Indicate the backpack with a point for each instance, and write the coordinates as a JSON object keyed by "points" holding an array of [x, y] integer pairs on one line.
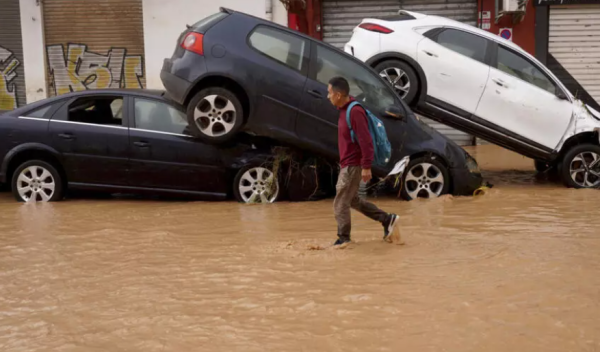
{"points": [[381, 145]]}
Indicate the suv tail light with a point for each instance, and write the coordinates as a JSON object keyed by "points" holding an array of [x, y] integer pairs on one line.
{"points": [[375, 28], [194, 42]]}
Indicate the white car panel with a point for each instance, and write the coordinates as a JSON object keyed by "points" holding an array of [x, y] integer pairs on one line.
{"points": [[524, 109], [451, 77], [364, 44]]}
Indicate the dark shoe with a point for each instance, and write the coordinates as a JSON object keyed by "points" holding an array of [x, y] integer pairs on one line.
{"points": [[341, 241], [388, 226]]}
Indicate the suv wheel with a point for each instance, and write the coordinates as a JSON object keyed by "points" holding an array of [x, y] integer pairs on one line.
{"points": [[580, 167], [215, 115], [401, 76], [256, 184], [425, 177], [36, 181]]}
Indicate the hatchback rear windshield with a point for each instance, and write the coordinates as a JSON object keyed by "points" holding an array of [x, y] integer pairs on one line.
{"points": [[204, 24]]}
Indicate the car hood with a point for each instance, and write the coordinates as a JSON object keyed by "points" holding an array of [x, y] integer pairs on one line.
{"points": [[593, 112]]}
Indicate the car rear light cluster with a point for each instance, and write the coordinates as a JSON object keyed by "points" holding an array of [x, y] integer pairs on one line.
{"points": [[194, 42], [375, 28]]}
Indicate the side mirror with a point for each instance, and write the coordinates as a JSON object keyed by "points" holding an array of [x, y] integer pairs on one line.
{"points": [[394, 112], [560, 94]]}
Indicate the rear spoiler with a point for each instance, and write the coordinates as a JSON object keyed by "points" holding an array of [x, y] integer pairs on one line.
{"points": [[416, 15], [226, 10]]}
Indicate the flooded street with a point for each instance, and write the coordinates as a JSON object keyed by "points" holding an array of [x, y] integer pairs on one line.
{"points": [[515, 269]]}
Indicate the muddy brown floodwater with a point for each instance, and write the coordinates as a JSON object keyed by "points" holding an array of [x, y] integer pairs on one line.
{"points": [[514, 270]]}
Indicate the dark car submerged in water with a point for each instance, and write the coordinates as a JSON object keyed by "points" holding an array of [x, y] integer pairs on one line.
{"points": [[237, 74]]}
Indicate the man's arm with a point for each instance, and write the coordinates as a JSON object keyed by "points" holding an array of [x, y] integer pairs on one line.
{"points": [[358, 119]]}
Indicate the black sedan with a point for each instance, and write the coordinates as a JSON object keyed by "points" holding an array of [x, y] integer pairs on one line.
{"points": [[126, 141]]}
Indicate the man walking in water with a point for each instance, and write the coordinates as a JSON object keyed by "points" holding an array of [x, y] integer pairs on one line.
{"points": [[355, 163]]}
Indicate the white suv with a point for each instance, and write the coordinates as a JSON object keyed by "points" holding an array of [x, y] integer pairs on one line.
{"points": [[484, 85]]}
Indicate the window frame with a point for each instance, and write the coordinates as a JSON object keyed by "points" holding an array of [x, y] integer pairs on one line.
{"points": [[312, 74], [494, 65], [305, 57], [489, 50], [159, 101], [62, 114]]}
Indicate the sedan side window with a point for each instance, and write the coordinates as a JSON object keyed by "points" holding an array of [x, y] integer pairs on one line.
{"points": [[156, 116], [365, 87], [469, 45], [283, 47], [97, 111], [519, 67]]}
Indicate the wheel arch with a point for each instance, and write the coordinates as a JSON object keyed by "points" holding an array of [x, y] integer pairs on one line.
{"points": [[390, 55], [592, 137], [31, 151], [222, 81]]}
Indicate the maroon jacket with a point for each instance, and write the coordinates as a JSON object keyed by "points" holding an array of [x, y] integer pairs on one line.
{"points": [[360, 152]]}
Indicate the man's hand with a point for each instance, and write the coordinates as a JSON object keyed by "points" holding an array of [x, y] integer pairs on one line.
{"points": [[366, 175]]}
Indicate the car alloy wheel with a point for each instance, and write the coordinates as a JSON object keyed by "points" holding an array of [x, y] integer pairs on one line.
{"points": [[398, 79], [215, 115], [425, 177], [37, 181], [257, 185], [585, 169]]}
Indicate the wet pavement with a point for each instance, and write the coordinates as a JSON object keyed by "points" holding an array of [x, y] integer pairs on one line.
{"points": [[515, 269]]}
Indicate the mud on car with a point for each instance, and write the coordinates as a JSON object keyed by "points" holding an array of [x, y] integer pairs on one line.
{"points": [[238, 74]]}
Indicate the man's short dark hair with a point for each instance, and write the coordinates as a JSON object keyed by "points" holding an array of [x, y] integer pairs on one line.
{"points": [[340, 84]]}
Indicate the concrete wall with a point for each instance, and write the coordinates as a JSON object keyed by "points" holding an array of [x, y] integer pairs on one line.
{"points": [[164, 21], [33, 50]]}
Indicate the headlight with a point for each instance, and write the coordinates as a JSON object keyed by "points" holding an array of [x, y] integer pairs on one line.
{"points": [[472, 165]]}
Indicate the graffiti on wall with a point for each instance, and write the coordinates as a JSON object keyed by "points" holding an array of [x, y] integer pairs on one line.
{"points": [[80, 69], [8, 73]]}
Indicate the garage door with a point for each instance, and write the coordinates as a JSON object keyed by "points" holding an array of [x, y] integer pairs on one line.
{"points": [[574, 44], [94, 44], [12, 75], [340, 17]]}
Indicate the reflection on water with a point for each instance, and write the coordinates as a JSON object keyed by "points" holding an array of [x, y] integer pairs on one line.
{"points": [[516, 269]]}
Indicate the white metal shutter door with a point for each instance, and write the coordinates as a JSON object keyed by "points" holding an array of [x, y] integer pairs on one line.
{"points": [[575, 43], [340, 17], [93, 44], [460, 10], [12, 73]]}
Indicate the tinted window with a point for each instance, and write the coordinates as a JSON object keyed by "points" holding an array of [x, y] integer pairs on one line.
{"points": [[39, 113], [469, 45], [365, 86], [517, 66], [156, 116], [206, 22], [283, 47], [98, 111]]}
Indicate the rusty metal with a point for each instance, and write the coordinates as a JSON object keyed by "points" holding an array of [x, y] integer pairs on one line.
{"points": [[93, 44]]}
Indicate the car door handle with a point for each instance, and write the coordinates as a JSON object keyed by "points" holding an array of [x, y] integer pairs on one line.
{"points": [[141, 144], [430, 53], [499, 82], [67, 136], [315, 94]]}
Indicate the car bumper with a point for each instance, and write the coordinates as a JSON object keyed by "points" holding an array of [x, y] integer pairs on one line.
{"points": [[175, 86], [465, 181]]}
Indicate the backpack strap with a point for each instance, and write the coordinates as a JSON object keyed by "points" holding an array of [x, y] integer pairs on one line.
{"points": [[352, 104]]}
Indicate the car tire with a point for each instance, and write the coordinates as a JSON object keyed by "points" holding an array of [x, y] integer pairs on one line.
{"points": [[39, 178], [250, 184], [425, 177], [579, 166], [390, 70], [215, 115]]}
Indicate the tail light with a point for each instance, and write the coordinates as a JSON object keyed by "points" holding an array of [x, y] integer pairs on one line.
{"points": [[194, 42], [376, 28]]}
